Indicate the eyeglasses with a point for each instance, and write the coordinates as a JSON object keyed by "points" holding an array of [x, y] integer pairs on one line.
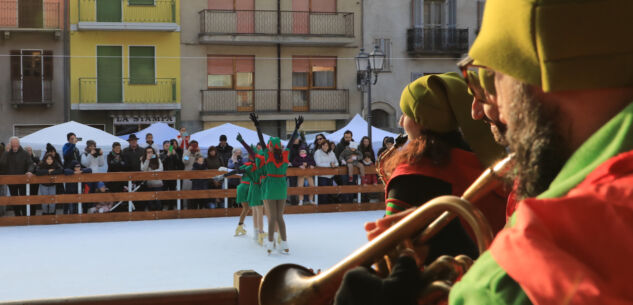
{"points": [[471, 74]]}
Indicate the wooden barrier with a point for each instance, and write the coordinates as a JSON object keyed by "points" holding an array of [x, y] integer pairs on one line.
{"points": [[170, 195]]}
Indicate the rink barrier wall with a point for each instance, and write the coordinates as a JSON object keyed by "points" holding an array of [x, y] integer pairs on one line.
{"points": [[127, 198]]}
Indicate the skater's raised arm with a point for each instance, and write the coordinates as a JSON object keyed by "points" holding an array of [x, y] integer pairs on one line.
{"points": [[298, 122], [249, 149], [231, 173], [259, 130]]}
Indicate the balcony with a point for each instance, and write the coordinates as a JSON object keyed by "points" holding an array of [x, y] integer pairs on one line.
{"points": [[31, 93], [126, 94], [30, 16], [437, 41], [262, 27], [328, 104], [125, 15]]}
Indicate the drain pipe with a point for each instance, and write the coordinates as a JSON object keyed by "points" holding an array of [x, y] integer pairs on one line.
{"points": [[66, 61]]}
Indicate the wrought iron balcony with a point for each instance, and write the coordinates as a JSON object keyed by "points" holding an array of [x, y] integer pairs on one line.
{"points": [[262, 26], [30, 15], [126, 94], [266, 101], [31, 92], [437, 41], [127, 15]]}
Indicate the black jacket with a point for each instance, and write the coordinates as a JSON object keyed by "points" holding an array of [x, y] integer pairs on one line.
{"points": [[171, 162], [340, 147], [16, 163], [132, 158], [225, 153], [116, 162], [199, 184], [42, 170]]}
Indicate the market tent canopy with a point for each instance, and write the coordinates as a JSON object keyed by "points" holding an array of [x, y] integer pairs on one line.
{"points": [[211, 137], [56, 136], [358, 127], [161, 132]]}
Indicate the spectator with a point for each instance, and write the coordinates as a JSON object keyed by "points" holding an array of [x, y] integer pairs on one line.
{"points": [[171, 162], [293, 151], [178, 150], [132, 155], [325, 157], [303, 160], [235, 162], [149, 139], [36, 162], [104, 206], [72, 187], [16, 161], [369, 178], [48, 166], [340, 147], [316, 145], [150, 162], [365, 146], [213, 162], [50, 149], [332, 147], [116, 163], [224, 151], [352, 158], [200, 184], [70, 151], [183, 139], [188, 159], [387, 143], [294, 148], [92, 157]]}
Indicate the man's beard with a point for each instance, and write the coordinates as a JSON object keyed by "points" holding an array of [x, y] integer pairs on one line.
{"points": [[533, 137]]}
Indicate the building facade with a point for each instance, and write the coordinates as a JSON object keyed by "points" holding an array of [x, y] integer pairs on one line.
{"points": [[32, 85], [277, 58], [419, 38], [125, 63]]}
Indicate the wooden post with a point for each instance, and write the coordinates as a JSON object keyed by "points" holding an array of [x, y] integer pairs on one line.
{"points": [[247, 284]]}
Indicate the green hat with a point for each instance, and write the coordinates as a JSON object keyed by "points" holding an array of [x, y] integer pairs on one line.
{"points": [[558, 44], [273, 142], [441, 103]]}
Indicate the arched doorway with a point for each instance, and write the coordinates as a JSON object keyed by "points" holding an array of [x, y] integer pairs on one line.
{"points": [[383, 116], [380, 119]]}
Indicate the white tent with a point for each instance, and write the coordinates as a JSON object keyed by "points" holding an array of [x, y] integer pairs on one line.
{"points": [[358, 127], [56, 136], [211, 137], [160, 131]]}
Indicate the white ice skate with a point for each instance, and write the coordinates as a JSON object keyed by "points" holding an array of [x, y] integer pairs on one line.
{"points": [[283, 247], [269, 245]]}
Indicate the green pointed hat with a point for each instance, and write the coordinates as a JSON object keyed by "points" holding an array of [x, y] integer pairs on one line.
{"points": [[274, 142]]}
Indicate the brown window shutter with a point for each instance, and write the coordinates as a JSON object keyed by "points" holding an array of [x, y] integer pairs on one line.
{"points": [[16, 69], [48, 65]]}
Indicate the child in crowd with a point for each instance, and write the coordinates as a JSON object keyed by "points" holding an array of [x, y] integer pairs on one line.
{"points": [[72, 187], [200, 184], [369, 178], [150, 162], [303, 160], [48, 166], [352, 157], [101, 207]]}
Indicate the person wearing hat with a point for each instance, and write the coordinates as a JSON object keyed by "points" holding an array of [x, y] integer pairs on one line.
{"points": [[387, 143], [352, 157], [132, 154], [225, 151]]}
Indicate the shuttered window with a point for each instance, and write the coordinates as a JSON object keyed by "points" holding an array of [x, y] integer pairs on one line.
{"points": [[142, 65]]}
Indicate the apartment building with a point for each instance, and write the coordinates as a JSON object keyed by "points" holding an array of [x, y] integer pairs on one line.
{"points": [[125, 63], [32, 85], [419, 37], [279, 58]]}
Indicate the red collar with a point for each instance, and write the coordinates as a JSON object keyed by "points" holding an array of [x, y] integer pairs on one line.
{"points": [[271, 158]]}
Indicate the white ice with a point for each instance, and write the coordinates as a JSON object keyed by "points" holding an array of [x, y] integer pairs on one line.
{"points": [[145, 256]]}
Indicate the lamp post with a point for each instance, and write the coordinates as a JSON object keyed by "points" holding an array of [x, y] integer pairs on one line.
{"points": [[368, 66]]}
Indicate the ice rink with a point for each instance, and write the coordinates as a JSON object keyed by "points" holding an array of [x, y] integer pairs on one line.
{"points": [[146, 256]]}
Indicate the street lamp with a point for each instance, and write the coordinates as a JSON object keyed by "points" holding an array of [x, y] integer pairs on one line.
{"points": [[368, 66]]}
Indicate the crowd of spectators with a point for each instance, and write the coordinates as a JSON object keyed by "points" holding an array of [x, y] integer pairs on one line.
{"points": [[176, 154]]}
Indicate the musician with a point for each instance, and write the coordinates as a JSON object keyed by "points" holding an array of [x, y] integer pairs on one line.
{"points": [[562, 88]]}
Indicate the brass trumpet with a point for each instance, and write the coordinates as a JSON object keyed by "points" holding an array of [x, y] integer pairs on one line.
{"points": [[293, 284]]}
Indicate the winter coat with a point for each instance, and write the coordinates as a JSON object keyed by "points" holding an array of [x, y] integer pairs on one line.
{"points": [[199, 184], [171, 162], [236, 164], [71, 187], [92, 162], [116, 163], [363, 150], [340, 147], [16, 163], [188, 159], [347, 153], [298, 161], [323, 159], [70, 153], [145, 167], [42, 170], [213, 162], [225, 153], [132, 158]]}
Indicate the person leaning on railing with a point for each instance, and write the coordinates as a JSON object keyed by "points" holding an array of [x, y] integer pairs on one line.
{"points": [[16, 161], [171, 162], [325, 157], [150, 162], [304, 160], [72, 187], [48, 166]]}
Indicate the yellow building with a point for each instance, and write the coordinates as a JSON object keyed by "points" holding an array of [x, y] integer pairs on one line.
{"points": [[125, 63]]}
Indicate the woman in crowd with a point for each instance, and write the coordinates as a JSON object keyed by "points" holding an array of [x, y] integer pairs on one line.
{"points": [[213, 162], [189, 157], [50, 149], [304, 160], [235, 162], [366, 147], [48, 166], [200, 184], [387, 143], [316, 145], [116, 163], [275, 191], [150, 162], [92, 157], [325, 157], [171, 162]]}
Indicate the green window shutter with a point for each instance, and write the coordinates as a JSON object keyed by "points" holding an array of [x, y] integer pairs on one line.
{"points": [[142, 70], [140, 2]]}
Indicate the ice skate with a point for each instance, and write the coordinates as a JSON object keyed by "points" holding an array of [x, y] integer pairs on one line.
{"points": [[240, 230], [260, 238], [283, 247], [269, 246], [277, 238]]}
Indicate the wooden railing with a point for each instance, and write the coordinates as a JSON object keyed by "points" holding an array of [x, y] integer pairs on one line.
{"points": [[177, 195]]}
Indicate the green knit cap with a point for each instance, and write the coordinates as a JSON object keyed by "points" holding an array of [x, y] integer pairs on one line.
{"points": [[441, 103], [558, 44], [273, 142]]}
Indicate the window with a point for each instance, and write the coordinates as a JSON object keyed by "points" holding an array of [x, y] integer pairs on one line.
{"points": [[385, 45], [31, 75], [140, 2], [235, 73], [142, 65], [309, 73], [434, 13]]}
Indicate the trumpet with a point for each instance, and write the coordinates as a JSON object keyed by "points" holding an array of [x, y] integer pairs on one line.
{"points": [[289, 284]]}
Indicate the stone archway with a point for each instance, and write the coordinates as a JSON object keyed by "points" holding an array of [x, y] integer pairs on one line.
{"points": [[383, 116]]}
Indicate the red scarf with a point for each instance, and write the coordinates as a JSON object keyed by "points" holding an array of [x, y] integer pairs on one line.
{"points": [[184, 143]]}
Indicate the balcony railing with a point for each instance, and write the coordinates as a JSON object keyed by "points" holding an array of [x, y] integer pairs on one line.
{"points": [[261, 22], [266, 101], [162, 11], [26, 15], [40, 93], [126, 91], [437, 41]]}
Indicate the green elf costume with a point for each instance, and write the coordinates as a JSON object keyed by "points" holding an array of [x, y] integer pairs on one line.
{"points": [[571, 244]]}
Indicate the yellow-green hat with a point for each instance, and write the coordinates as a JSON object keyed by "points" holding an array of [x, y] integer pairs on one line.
{"points": [[558, 44], [441, 103]]}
